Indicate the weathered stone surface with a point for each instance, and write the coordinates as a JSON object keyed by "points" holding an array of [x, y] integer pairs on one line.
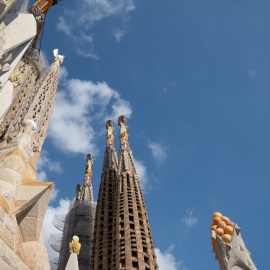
{"points": [[18, 246], [2, 215], [6, 236], [6, 193], [9, 175], [8, 256], [10, 224], [4, 265]]}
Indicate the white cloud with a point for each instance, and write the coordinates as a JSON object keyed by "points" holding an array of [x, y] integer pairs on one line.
{"points": [[252, 73], [118, 34], [77, 108], [189, 220], [120, 107], [44, 163], [142, 173], [42, 176], [63, 74], [84, 14], [159, 151], [167, 261], [48, 227]]}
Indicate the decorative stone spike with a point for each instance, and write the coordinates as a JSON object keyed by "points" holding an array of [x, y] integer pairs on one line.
{"points": [[230, 248]]}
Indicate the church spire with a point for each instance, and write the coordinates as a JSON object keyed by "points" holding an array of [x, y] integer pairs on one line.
{"points": [[34, 105], [110, 156], [102, 255], [85, 192], [133, 246], [126, 160]]}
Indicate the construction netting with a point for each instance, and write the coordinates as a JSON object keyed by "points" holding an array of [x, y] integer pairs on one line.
{"points": [[78, 221]]}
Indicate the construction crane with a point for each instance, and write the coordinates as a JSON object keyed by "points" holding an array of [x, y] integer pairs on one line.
{"points": [[39, 10]]}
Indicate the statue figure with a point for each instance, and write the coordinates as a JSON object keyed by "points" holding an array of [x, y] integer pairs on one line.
{"points": [[2, 131], [74, 245], [88, 167], [123, 127], [110, 130], [79, 192], [16, 78]]}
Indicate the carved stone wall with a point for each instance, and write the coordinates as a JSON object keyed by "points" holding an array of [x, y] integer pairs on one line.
{"points": [[23, 203]]}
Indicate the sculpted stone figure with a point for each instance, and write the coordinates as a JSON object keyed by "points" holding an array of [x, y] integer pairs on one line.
{"points": [[16, 78], [110, 130], [79, 192], [123, 127], [2, 130]]}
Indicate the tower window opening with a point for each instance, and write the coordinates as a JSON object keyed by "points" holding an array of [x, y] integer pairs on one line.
{"points": [[123, 262], [146, 260], [135, 265], [145, 250], [134, 254]]}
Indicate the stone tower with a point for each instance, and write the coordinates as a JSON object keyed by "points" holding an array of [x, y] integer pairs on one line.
{"points": [[103, 241], [79, 221], [24, 200], [133, 246], [122, 236]]}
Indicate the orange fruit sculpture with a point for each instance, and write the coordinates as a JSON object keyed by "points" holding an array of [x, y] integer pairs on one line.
{"points": [[216, 220], [219, 232], [223, 227], [228, 229], [216, 214], [227, 238]]}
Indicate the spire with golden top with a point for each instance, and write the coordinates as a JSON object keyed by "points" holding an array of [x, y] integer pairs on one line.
{"points": [[126, 160], [133, 246], [102, 255], [85, 192], [88, 169], [110, 156]]}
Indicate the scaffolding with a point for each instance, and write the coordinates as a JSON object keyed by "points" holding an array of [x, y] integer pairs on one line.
{"points": [[78, 221]]}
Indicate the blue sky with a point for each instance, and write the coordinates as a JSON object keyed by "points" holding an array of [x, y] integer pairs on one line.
{"points": [[193, 76]]}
